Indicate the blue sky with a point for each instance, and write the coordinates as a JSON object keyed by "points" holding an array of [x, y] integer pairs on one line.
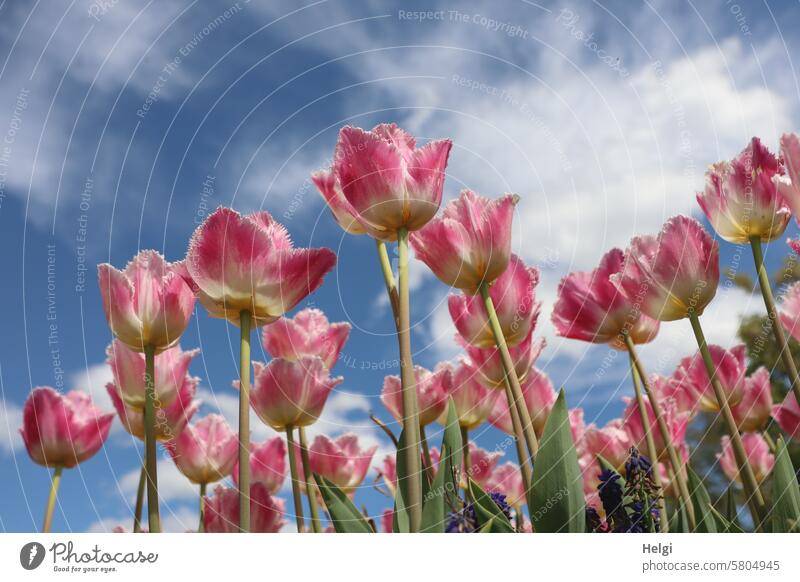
{"points": [[114, 115]]}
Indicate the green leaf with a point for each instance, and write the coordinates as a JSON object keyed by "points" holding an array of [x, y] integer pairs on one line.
{"points": [[605, 464], [400, 519], [345, 516], [557, 500], [679, 523], [490, 517], [785, 493], [723, 524], [445, 484], [702, 502]]}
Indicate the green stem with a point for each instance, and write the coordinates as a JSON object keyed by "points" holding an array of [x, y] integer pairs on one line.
{"points": [[409, 390], [465, 451], [755, 500], [137, 511], [388, 280], [677, 467], [772, 314], [524, 460], [296, 495], [202, 525], [769, 440], [151, 461], [51, 499], [244, 421], [426, 456], [511, 374], [311, 488], [651, 445]]}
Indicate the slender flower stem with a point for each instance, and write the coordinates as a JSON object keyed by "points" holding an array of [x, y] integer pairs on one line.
{"points": [[426, 456], [465, 451], [244, 421], [769, 440], [651, 446], [137, 511], [51, 499], [311, 488], [754, 498], [388, 280], [511, 374], [201, 527], [298, 500], [772, 314], [677, 467], [524, 459], [409, 390], [151, 462]]}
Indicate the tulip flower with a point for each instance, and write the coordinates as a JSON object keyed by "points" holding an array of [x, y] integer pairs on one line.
{"points": [[383, 181], [205, 451], [741, 200], [730, 369], [507, 479], [789, 314], [246, 270], [341, 460], [539, 398], [387, 471], [480, 465], [147, 306], [673, 273], [148, 303], [513, 295], [470, 244], [591, 308], [291, 393], [679, 387], [676, 423], [787, 415], [222, 511], [267, 464], [60, 431], [612, 442], [753, 410], [308, 333], [473, 401], [387, 521], [788, 184], [170, 419], [577, 427], [433, 389], [128, 368], [758, 456], [489, 361]]}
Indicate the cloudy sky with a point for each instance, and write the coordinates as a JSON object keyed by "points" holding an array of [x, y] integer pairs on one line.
{"points": [[124, 121]]}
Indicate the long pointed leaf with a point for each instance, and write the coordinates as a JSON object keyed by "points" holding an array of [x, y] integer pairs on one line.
{"points": [[785, 493], [345, 516], [702, 504], [445, 484], [489, 516]]}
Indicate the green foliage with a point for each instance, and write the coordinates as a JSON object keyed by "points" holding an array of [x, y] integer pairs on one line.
{"points": [[345, 516], [785, 510], [489, 516], [701, 502], [445, 484]]}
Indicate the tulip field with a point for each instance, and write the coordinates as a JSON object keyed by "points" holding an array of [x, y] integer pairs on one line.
{"points": [[639, 473]]}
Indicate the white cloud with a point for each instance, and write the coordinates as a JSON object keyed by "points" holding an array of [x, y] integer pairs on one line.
{"points": [[172, 485], [10, 423], [173, 520]]}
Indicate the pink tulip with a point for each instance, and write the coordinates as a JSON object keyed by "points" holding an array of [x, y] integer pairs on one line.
{"points": [[578, 428], [222, 510], [62, 430], [147, 304], [789, 185], [169, 420], [489, 363], [539, 397], [128, 368], [482, 464], [673, 273], [473, 401], [470, 243], [433, 389], [513, 295], [755, 407], [267, 464], [612, 442], [590, 308], [387, 470], [758, 455], [679, 388], [383, 181], [387, 521], [787, 415], [741, 199], [789, 313], [205, 451], [307, 334], [241, 263], [343, 213], [341, 461], [676, 422], [507, 479], [730, 369], [291, 393]]}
